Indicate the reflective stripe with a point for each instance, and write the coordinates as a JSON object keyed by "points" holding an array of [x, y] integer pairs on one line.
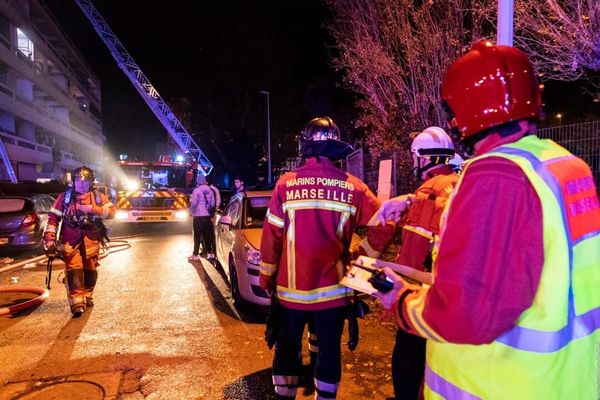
{"points": [[415, 313], [313, 296], [444, 388], [267, 269], [343, 220], [371, 252], [56, 212], [286, 391], [274, 220], [327, 387], [419, 231], [319, 204], [547, 342], [291, 251], [285, 380]]}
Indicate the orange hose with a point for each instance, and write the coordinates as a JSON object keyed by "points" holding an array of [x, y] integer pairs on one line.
{"points": [[41, 292]]}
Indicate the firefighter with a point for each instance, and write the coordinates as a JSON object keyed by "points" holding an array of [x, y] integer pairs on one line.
{"points": [[81, 209], [305, 246], [514, 308], [431, 150]]}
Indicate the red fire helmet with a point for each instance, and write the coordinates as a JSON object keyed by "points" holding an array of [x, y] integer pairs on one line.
{"points": [[490, 85]]}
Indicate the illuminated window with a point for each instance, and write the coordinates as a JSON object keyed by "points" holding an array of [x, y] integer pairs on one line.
{"points": [[24, 45]]}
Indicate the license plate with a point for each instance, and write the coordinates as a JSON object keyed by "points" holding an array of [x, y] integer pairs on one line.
{"points": [[152, 218], [3, 241]]}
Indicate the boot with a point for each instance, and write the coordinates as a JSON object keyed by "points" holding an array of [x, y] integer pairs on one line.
{"points": [[77, 311]]}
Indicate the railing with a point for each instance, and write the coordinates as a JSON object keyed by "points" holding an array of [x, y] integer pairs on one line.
{"points": [[583, 140]]}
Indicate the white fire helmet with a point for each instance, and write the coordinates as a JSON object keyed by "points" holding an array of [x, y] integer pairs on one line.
{"points": [[431, 147]]}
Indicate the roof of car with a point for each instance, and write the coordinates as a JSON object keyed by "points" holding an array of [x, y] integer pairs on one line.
{"points": [[259, 193], [23, 195]]}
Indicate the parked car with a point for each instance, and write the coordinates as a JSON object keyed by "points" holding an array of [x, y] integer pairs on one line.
{"points": [[23, 219], [238, 233]]}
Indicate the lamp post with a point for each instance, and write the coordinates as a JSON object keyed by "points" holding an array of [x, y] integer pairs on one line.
{"points": [[268, 133]]}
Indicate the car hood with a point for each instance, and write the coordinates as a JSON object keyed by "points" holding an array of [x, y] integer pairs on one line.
{"points": [[253, 236]]}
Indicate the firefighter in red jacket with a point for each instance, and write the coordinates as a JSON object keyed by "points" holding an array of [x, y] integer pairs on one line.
{"points": [[431, 151], [513, 310], [305, 247], [81, 210]]}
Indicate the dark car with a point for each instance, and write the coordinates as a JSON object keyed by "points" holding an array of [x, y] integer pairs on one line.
{"points": [[23, 219]]}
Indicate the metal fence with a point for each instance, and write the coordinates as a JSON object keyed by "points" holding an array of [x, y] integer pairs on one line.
{"points": [[582, 139]]}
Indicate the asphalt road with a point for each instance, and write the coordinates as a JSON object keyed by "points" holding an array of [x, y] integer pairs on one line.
{"points": [[162, 328]]}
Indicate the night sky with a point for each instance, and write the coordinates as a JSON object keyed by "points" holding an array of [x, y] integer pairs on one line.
{"points": [[218, 57]]}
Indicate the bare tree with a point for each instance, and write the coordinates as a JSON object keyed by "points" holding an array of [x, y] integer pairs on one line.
{"points": [[562, 37], [394, 54]]}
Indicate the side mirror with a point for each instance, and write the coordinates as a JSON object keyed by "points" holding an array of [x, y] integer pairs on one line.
{"points": [[225, 220]]}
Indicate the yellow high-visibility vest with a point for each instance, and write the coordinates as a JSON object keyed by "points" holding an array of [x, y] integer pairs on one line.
{"points": [[553, 350]]}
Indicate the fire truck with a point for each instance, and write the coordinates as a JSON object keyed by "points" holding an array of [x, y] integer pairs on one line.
{"points": [[153, 191]]}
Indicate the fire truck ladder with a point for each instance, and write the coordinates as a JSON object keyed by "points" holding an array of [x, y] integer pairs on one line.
{"points": [[7, 164], [162, 111]]}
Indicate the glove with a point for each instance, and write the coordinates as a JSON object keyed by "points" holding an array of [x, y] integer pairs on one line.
{"points": [[352, 331], [273, 322], [50, 247], [267, 282]]}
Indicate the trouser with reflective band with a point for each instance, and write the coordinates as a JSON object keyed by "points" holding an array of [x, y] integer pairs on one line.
{"points": [[313, 344], [408, 365], [81, 274], [287, 363]]}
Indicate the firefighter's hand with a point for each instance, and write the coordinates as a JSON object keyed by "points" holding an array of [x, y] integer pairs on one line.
{"points": [[393, 209], [50, 247], [85, 208], [267, 283], [389, 299]]}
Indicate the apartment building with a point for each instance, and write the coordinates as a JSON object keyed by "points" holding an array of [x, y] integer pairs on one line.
{"points": [[50, 112]]}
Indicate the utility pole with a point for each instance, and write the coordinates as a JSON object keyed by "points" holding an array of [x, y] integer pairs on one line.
{"points": [[268, 133]]}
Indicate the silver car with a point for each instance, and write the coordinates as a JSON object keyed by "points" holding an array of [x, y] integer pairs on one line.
{"points": [[238, 233], [23, 219]]}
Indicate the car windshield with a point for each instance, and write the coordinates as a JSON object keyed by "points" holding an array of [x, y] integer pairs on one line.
{"points": [[255, 211], [11, 205]]}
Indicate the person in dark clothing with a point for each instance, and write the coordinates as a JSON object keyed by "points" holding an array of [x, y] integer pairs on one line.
{"points": [[202, 203]]}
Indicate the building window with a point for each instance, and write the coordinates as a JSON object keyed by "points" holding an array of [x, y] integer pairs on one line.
{"points": [[24, 45], [4, 30]]}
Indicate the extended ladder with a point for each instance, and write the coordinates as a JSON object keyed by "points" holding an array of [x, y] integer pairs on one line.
{"points": [[162, 111], [7, 164]]}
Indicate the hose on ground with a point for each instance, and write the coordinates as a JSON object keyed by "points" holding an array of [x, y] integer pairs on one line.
{"points": [[41, 292]]}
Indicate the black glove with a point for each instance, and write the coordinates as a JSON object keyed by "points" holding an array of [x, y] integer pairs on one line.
{"points": [[273, 321], [50, 250], [352, 331]]}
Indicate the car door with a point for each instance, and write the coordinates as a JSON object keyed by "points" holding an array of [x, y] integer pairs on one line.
{"points": [[225, 233]]}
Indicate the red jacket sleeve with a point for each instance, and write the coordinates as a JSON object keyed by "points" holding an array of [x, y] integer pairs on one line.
{"points": [[272, 239], [489, 262], [378, 236]]}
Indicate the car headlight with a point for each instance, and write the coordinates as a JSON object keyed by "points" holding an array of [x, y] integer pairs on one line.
{"points": [[181, 215], [253, 255], [121, 214]]}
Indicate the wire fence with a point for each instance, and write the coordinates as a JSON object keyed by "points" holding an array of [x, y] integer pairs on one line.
{"points": [[581, 139]]}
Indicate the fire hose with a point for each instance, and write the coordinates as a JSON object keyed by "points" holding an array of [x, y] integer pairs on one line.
{"points": [[41, 292], [113, 246]]}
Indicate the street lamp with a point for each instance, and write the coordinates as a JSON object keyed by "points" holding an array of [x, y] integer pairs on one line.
{"points": [[268, 133]]}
